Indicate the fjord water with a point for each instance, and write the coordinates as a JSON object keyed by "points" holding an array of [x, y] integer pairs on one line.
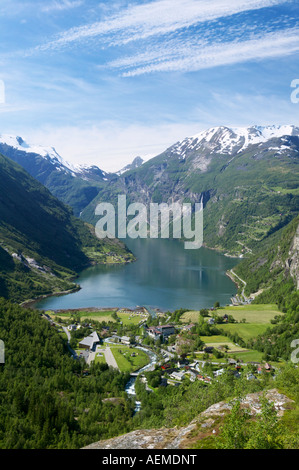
{"points": [[165, 276]]}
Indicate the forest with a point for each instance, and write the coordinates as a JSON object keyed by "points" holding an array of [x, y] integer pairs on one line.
{"points": [[49, 400]]}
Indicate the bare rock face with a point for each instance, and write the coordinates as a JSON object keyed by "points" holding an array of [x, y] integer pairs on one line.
{"points": [[294, 258], [181, 438]]}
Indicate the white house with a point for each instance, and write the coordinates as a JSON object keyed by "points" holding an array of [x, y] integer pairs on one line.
{"points": [[90, 341]]}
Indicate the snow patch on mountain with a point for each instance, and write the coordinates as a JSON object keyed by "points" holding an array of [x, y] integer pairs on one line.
{"points": [[136, 163], [84, 171], [45, 152], [225, 140]]}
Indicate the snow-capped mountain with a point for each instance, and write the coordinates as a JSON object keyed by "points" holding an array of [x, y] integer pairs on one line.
{"points": [[74, 185], [48, 153], [225, 140]]}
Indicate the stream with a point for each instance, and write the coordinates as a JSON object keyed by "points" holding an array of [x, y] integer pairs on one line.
{"points": [[130, 387]]}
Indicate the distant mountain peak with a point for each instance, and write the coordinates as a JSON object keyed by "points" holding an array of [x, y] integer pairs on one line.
{"points": [[49, 153], [136, 163], [226, 140]]}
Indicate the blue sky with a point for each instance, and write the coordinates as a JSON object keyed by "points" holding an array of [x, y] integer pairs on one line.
{"points": [[105, 81]]}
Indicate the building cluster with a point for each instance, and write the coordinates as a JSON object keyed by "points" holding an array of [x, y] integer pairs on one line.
{"points": [[163, 331], [184, 368]]}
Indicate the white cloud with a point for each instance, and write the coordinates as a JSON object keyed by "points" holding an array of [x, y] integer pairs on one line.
{"points": [[110, 145], [186, 57], [61, 5], [10, 8], [156, 18]]}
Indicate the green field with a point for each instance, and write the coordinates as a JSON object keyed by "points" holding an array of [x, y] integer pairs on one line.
{"points": [[217, 341], [245, 330], [129, 319], [125, 361], [259, 313], [96, 315], [249, 356], [190, 317]]}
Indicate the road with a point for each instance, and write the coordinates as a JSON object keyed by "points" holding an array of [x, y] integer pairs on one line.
{"points": [[246, 299], [108, 356]]}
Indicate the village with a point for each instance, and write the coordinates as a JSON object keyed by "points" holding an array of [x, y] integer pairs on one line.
{"points": [[125, 339]]}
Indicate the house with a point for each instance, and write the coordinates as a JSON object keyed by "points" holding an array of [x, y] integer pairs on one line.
{"points": [[219, 372], [125, 340], [183, 363], [72, 327], [164, 330], [115, 338], [177, 375], [192, 376], [211, 321], [188, 327], [232, 362], [204, 379], [90, 341]]}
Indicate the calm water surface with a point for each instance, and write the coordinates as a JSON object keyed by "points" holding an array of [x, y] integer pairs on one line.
{"points": [[165, 275]]}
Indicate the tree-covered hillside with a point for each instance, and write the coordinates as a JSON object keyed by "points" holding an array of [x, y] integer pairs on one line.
{"points": [[273, 269], [42, 245], [47, 400], [248, 194]]}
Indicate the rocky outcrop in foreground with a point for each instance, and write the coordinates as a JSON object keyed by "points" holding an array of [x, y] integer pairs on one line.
{"points": [[207, 423]]}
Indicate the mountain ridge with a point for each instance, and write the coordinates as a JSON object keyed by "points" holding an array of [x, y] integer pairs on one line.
{"points": [[236, 171], [42, 245], [244, 193], [76, 186]]}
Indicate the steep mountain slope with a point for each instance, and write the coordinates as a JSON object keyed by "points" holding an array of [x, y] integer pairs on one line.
{"points": [[274, 268], [41, 238], [248, 179], [75, 186]]}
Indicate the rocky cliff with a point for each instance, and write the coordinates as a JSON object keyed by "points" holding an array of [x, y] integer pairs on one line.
{"points": [[203, 426]]}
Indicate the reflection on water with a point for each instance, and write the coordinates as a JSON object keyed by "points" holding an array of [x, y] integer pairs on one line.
{"points": [[165, 275]]}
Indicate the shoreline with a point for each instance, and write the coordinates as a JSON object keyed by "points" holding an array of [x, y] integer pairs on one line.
{"points": [[31, 303], [231, 276]]}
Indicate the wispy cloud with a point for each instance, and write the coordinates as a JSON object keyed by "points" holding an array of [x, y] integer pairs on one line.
{"points": [[185, 56], [155, 18], [61, 5], [15, 8]]}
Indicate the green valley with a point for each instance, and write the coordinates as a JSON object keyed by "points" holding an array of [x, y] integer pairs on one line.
{"points": [[42, 245]]}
